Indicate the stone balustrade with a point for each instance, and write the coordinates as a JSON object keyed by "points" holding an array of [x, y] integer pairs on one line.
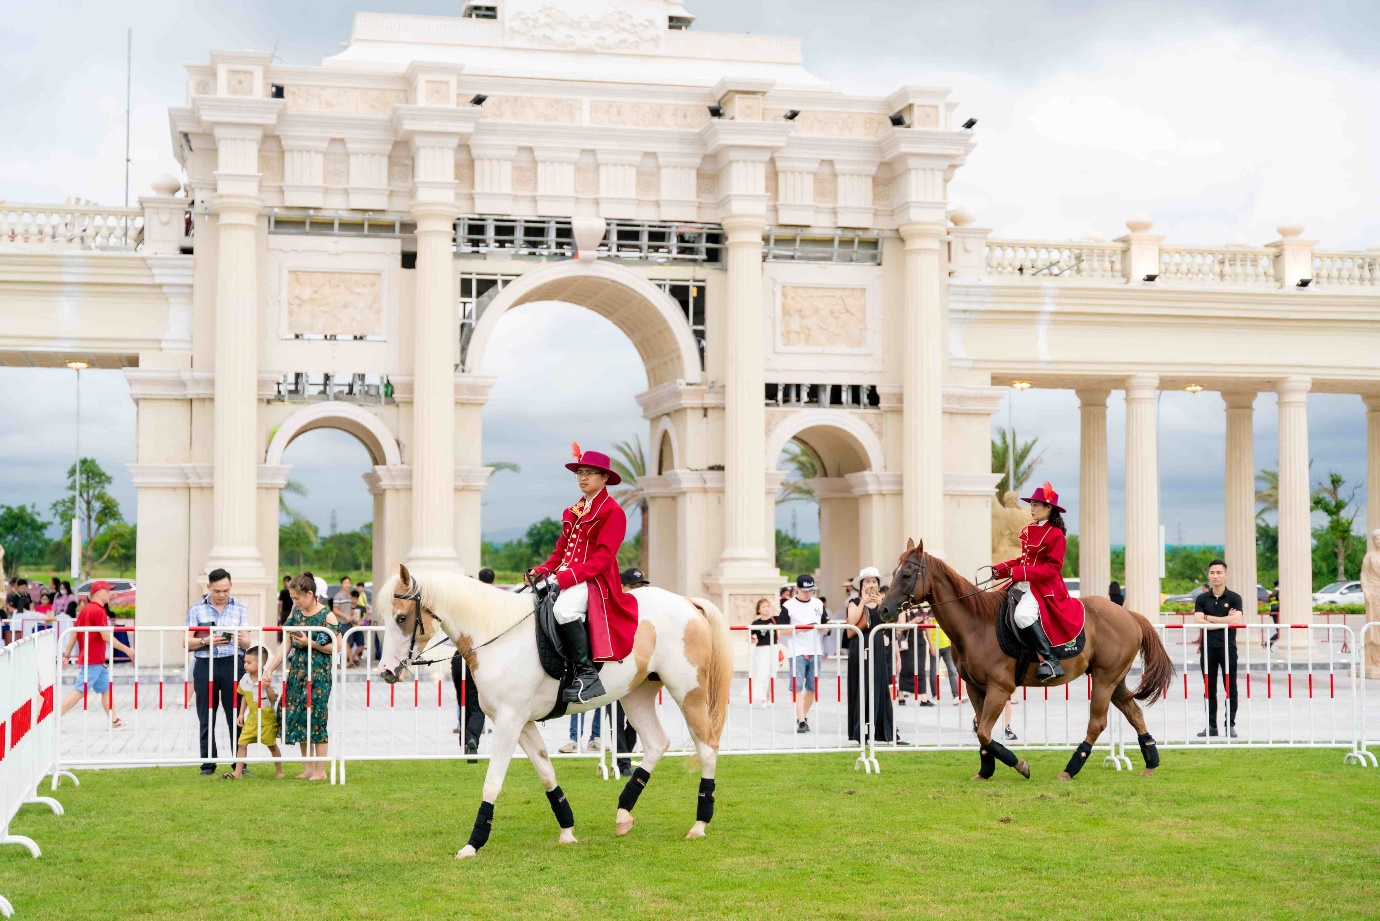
{"points": [[1030, 259], [1228, 265], [1334, 270], [73, 225]]}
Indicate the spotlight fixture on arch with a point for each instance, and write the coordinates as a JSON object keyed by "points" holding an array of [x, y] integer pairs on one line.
{"points": [[1021, 385], [1194, 388]]}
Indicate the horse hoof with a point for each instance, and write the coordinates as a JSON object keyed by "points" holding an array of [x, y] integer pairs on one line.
{"points": [[696, 831], [567, 836], [624, 823], [1148, 772], [1064, 775], [1023, 768], [466, 852]]}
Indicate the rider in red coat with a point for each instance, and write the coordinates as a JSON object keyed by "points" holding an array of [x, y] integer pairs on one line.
{"points": [[1039, 572], [584, 566]]}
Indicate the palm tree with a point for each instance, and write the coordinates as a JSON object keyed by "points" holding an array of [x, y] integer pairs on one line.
{"points": [[630, 463], [801, 465], [291, 487], [1267, 491], [503, 467], [1025, 464]]}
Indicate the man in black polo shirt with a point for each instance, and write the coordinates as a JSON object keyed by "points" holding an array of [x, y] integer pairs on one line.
{"points": [[1219, 605]]}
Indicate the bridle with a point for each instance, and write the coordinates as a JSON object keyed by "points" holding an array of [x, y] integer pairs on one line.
{"points": [[414, 593], [910, 604]]}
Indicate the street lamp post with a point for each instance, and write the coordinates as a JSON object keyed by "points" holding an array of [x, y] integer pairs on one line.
{"points": [[77, 366]]}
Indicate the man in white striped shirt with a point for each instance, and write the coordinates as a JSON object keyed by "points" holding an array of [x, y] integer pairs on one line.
{"points": [[216, 660]]}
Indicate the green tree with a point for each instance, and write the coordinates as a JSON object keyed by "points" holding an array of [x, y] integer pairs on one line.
{"points": [[1071, 563], [345, 551], [1266, 492], [296, 542], [290, 488], [629, 461], [794, 557], [1337, 535], [801, 466], [1025, 464], [541, 539], [94, 507], [503, 467], [1266, 552], [116, 544], [23, 535]]}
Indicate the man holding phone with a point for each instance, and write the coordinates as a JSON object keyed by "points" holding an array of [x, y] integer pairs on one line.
{"points": [[216, 660]]}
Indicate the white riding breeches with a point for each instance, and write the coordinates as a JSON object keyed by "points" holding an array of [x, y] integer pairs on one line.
{"points": [[1027, 609], [572, 604]]}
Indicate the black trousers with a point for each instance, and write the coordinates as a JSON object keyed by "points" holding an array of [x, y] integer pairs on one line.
{"points": [[466, 692], [215, 691], [1214, 660], [626, 737]]}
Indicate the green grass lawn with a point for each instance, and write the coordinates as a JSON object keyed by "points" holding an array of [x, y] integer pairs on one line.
{"points": [[1256, 835]]}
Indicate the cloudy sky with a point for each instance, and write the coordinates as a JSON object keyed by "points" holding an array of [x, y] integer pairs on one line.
{"points": [[1219, 118]]}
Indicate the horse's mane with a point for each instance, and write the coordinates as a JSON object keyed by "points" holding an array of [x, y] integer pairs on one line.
{"points": [[477, 608], [981, 604]]}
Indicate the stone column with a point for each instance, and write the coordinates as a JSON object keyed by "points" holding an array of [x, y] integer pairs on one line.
{"points": [[235, 462], [922, 385], [1240, 498], [1372, 462], [1295, 535], [1094, 512], [1142, 496], [745, 414]]}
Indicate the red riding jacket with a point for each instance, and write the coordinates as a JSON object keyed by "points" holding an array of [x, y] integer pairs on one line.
{"points": [[588, 549], [1041, 563]]}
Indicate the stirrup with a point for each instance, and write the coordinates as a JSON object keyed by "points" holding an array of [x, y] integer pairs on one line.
{"points": [[1051, 666], [580, 690]]}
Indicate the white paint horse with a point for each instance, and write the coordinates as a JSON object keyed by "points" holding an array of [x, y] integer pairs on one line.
{"points": [[680, 643]]}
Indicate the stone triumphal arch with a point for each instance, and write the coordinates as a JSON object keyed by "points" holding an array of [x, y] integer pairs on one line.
{"points": [[783, 255]]}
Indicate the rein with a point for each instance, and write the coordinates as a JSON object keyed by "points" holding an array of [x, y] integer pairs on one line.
{"points": [[415, 594], [981, 590]]}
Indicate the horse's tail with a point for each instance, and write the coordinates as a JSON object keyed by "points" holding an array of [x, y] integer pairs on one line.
{"points": [[1159, 668], [719, 669]]}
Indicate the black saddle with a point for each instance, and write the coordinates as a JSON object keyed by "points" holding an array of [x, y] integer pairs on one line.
{"points": [[1009, 638], [551, 649]]}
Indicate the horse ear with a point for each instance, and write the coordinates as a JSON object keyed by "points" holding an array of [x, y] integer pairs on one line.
{"points": [[404, 576], [920, 547], [910, 544], [393, 568]]}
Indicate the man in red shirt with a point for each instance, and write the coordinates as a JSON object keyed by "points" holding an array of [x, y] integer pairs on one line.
{"points": [[90, 658]]}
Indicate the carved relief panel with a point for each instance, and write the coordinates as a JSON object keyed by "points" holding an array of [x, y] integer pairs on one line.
{"points": [[342, 304], [816, 316]]}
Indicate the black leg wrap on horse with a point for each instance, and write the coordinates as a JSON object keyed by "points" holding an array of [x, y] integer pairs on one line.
{"points": [[561, 807], [989, 765], [633, 788], [1080, 757], [705, 811], [1148, 750], [482, 823], [1003, 754]]}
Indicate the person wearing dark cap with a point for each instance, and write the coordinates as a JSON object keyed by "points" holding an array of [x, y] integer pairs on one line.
{"points": [[632, 578], [804, 611], [626, 736]]}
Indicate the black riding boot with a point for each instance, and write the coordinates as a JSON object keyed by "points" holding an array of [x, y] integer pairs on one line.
{"points": [[586, 685], [1049, 669]]}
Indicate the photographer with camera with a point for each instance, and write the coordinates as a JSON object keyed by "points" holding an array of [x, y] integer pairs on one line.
{"points": [[217, 660]]}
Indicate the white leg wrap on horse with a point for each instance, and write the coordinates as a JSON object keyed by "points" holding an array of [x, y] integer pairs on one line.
{"points": [[1027, 610], [572, 603]]}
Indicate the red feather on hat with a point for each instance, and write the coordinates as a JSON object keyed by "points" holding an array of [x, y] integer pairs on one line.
{"points": [[1047, 488], [575, 450]]}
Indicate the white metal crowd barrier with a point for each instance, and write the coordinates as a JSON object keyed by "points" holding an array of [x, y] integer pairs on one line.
{"points": [[762, 705], [1296, 695], [152, 713], [1368, 722], [28, 694]]}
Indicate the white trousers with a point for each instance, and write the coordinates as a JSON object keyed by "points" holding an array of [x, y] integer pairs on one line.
{"points": [[1027, 609], [572, 604], [763, 667]]}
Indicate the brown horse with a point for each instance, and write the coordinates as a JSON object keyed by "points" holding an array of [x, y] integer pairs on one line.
{"points": [[968, 616]]}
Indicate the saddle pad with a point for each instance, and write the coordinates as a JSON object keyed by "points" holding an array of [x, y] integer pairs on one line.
{"points": [[551, 652], [1012, 645]]}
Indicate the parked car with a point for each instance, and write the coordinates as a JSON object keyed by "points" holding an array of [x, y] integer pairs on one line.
{"points": [[1339, 593], [1072, 586], [1186, 599], [122, 592]]}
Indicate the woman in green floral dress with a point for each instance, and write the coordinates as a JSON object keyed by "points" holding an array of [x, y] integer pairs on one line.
{"points": [[319, 645]]}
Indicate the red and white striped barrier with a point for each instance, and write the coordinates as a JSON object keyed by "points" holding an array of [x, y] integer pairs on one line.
{"points": [[27, 750], [156, 700]]}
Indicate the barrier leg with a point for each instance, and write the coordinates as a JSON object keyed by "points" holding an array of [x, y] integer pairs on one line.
{"points": [[23, 842], [44, 801], [58, 773], [6, 910]]}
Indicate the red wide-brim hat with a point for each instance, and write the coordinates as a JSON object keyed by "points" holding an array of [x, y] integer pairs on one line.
{"points": [[593, 459], [1046, 494]]}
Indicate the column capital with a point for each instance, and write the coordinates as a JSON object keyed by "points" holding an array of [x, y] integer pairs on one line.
{"points": [[1142, 386], [1372, 401], [743, 228], [1093, 396], [1293, 389], [1239, 399], [232, 208], [922, 234]]}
